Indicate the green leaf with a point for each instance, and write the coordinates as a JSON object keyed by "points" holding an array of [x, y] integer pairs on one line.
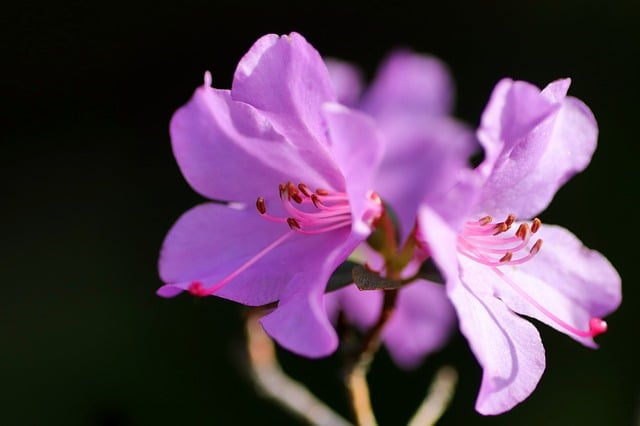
{"points": [[428, 271], [341, 277], [366, 279]]}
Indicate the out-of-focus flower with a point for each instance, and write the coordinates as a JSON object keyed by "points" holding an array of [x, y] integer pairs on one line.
{"points": [[411, 99], [294, 169], [534, 141]]}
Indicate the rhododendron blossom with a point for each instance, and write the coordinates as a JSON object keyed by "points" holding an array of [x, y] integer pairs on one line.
{"points": [[499, 260], [294, 170]]}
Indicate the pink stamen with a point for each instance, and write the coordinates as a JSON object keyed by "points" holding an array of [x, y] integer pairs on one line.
{"points": [[485, 243], [313, 212], [196, 288]]}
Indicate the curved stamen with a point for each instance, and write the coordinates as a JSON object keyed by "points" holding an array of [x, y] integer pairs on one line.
{"points": [[198, 289], [313, 212], [485, 243]]}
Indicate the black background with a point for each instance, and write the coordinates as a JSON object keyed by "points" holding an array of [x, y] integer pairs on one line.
{"points": [[90, 187]]}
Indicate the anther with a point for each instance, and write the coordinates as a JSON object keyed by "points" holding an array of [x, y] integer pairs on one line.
{"points": [[322, 192], [507, 257], [304, 189], [281, 188], [510, 219], [293, 224], [535, 225], [499, 228], [315, 200], [262, 208], [523, 231], [536, 247], [485, 220], [296, 197]]}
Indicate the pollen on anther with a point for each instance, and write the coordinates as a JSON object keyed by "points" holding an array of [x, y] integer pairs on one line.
{"points": [[536, 247], [260, 205], [535, 225], [315, 200], [510, 219], [293, 224], [322, 192], [281, 188], [507, 257]]}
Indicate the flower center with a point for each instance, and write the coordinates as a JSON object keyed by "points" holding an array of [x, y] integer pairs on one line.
{"points": [[316, 212], [489, 244], [309, 213]]}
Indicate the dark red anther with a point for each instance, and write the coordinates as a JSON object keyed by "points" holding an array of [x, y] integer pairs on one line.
{"points": [[535, 225], [281, 188], [322, 192], [523, 231], [260, 205], [510, 219], [536, 247], [304, 189], [499, 228], [315, 200], [507, 257], [296, 197], [293, 224], [485, 220]]}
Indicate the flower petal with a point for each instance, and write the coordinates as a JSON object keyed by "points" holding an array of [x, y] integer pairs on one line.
{"points": [[361, 308], [228, 151], [572, 282], [410, 83], [421, 324], [357, 147], [424, 157], [524, 180], [347, 80], [212, 241], [300, 322], [286, 79], [507, 347]]}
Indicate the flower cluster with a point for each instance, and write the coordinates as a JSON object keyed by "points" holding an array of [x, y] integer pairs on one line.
{"points": [[308, 170]]}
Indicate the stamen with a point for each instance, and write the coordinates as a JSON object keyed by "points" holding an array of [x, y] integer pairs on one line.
{"points": [[483, 243], [309, 212], [197, 288]]}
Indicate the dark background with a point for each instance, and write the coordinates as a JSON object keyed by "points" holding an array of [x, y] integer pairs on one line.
{"points": [[90, 187]]}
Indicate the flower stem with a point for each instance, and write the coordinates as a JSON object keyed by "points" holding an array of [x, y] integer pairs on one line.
{"points": [[275, 384], [358, 366], [437, 399]]}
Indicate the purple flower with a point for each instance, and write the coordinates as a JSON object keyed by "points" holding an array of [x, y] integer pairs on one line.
{"points": [[411, 99], [534, 141], [295, 171]]}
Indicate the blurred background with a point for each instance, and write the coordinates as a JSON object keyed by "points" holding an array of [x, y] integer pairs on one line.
{"points": [[90, 188]]}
